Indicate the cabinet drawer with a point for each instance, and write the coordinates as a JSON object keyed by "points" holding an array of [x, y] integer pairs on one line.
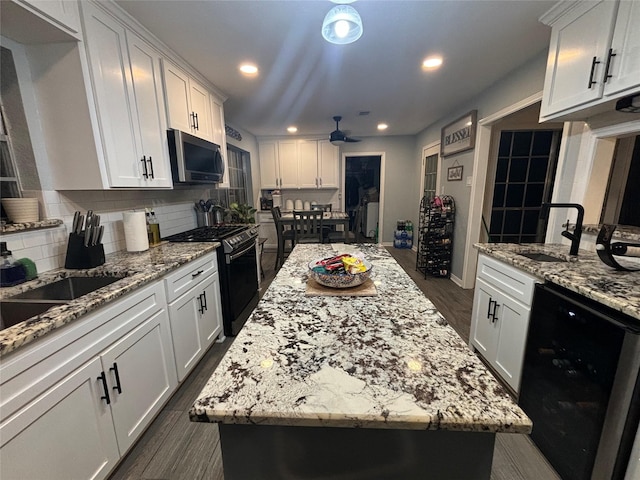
{"points": [[185, 278], [512, 281]]}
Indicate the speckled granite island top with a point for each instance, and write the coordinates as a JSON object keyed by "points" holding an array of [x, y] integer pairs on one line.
{"points": [[136, 269], [389, 361], [584, 274]]}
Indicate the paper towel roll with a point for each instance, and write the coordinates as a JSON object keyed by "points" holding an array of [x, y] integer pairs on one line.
{"points": [[135, 231]]}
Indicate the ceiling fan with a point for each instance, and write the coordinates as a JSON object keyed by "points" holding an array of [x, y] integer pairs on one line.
{"points": [[338, 137]]}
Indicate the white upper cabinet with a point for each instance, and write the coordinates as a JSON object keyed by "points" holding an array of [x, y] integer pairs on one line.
{"points": [[188, 103], [40, 21], [128, 102], [219, 134], [296, 164], [269, 168], [328, 165], [593, 57]]}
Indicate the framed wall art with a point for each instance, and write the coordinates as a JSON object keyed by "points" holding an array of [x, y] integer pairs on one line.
{"points": [[454, 173], [460, 135]]}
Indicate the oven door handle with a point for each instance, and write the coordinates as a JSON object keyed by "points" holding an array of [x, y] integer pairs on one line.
{"points": [[232, 257]]}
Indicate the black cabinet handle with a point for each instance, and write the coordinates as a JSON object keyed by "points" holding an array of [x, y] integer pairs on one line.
{"points": [[489, 310], [594, 62], [105, 397], [144, 165], [114, 369], [495, 307], [201, 307], [197, 123], [151, 167], [204, 301], [198, 273], [607, 76]]}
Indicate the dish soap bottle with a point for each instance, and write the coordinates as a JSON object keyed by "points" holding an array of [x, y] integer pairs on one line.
{"points": [[11, 272]]}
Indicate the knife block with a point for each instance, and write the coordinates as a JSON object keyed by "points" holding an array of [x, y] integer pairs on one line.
{"points": [[79, 256]]}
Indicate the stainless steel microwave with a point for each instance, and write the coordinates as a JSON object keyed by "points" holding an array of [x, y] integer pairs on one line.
{"points": [[194, 160]]}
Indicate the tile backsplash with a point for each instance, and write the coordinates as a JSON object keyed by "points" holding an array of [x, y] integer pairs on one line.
{"points": [[47, 248]]}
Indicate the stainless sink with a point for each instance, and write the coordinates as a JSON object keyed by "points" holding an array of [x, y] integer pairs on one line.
{"points": [[13, 312], [541, 257], [68, 288]]}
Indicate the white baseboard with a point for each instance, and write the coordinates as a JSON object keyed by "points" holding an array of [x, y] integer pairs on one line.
{"points": [[456, 280]]}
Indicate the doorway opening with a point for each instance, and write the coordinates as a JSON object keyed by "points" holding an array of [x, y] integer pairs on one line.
{"points": [[362, 194]]}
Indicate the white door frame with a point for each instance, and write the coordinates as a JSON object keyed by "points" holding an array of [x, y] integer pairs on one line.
{"points": [[428, 150], [480, 164], [382, 182]]}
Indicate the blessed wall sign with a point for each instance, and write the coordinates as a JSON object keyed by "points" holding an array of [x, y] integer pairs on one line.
{"points": [[460, 135]]}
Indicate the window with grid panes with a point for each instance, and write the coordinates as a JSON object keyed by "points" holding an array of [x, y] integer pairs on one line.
{"points": [[524, 179], [238, 167], [430, 176]]}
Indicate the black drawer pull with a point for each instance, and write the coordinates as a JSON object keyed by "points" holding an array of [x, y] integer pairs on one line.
{"points": [[198, 273], [607, 76], [114, 369], [144, 164], [105, 397], [151, 167]]}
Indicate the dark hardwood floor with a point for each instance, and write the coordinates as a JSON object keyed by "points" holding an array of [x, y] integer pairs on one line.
{"points": [[173, 448]]}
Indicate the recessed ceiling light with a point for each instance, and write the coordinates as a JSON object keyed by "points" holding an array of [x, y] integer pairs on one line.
{"points": [[382, 126], [248, 69], [292, 129], [431, 63]]}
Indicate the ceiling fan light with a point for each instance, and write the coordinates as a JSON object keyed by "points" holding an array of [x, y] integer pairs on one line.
{"points": [[337, 141], [342, 25]]}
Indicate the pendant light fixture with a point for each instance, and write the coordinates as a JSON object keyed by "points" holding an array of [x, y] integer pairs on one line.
{"points": [[342, 25]]}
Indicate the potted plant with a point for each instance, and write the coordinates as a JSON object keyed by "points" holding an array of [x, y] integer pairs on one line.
{"points": [[242, 213]]}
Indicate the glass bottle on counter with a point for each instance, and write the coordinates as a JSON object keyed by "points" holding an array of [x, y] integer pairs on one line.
{"points": [[11, 272], [153, 228]]}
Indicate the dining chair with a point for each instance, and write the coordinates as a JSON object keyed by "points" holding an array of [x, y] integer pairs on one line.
{"points": [[307, 225], [284, 235], [326, 229], [350, 236]]}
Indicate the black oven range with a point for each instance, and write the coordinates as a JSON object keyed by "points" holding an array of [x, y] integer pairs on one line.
{"points": [[237, 266]]}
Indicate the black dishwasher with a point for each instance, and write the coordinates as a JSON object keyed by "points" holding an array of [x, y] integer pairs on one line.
{"points": [[580, 384]]}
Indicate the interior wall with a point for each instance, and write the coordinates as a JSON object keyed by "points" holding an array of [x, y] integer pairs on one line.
{"points": [[513, 88], [401, 178]]}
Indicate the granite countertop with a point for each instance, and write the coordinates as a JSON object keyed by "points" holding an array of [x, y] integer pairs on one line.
{"points": [[387, 361], [21, 227], [137, 269], [585, 274]]}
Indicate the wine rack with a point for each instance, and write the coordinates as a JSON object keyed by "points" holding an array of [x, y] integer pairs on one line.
{"points": [[435, 235]]}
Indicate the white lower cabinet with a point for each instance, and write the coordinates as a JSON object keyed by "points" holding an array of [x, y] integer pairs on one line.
{"points": [[500, 317], [196, 315], [73, 402]]}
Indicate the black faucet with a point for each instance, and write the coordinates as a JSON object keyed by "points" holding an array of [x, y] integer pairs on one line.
{"points": [[577, 233]]}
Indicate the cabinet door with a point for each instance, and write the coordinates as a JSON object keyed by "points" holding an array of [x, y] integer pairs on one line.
{"points": [[512, 319], [484, 331], [149, 103], [625, 66], [219, 135], [577, 38], [288, 162], [308, 164], [176, 86], [141, 365], [66, 432], [201, 107], [110, 73], [328, 164], [268, 231], [269, 173], [210, 320], [184, 315]]}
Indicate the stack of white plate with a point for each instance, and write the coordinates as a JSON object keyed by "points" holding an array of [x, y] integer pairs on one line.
{"points": [[21, 210]]}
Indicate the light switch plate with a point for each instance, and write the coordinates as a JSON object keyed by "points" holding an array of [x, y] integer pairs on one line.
{"points": [[469, 180]]}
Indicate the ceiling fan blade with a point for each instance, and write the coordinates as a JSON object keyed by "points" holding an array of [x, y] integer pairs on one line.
{"points": [[351, 140]]}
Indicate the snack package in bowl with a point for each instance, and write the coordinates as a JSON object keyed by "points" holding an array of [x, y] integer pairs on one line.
{"points": [[340, 271]]}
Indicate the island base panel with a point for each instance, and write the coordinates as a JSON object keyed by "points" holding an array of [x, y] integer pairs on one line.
{"points": [[267, 452]]}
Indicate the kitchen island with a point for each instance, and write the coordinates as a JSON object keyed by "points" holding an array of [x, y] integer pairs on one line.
{"points": [[353, 387]]}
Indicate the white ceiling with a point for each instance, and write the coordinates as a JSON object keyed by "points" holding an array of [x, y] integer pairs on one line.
{"points": [[305, 81]]}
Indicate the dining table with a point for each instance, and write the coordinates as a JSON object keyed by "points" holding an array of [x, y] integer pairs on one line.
{"points": [[328, 218]]}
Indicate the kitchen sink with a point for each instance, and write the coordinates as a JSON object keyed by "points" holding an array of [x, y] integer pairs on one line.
{"points": [[68, 288], [541, 257], [13, 312]]}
